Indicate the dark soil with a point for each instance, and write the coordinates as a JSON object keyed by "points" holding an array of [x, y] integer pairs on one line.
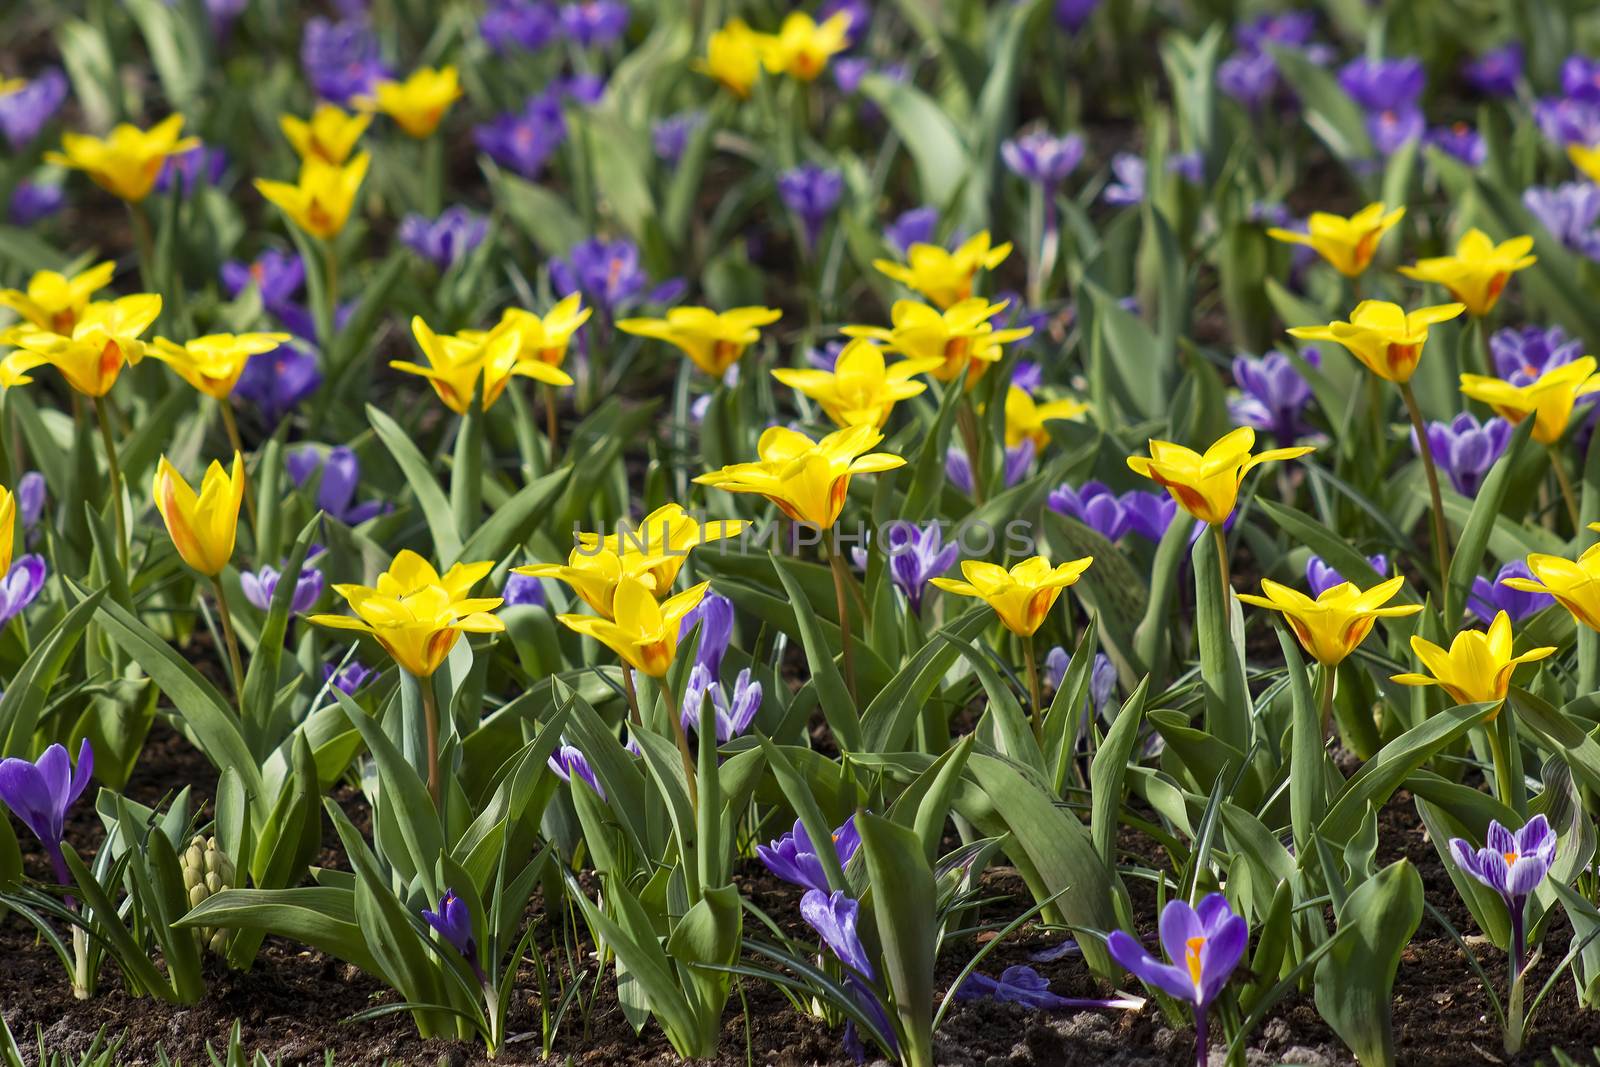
{"points": [[294, 1004]]}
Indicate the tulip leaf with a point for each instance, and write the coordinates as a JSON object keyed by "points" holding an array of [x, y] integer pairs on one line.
{"points": [[944, 163], [1355, 981], [26, 693], [890, 717], [904, 900], [435, 506], [1468, 558], [1108, 771], [259, 698], [1219, 629], [513, 521], [1329, 111], [836, 700]]}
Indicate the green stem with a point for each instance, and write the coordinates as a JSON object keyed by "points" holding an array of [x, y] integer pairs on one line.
{"points": [[1032, 660], [1567, 492], [1502, 766], [1441, 533], [328, 314], [1329, 676], [430, 712], [968, 421], [231, 639], [80, 963], [1221, 538], [841, 579], [552, 425], [631, 692], [114, 470], [144, 239], [681, 739]]}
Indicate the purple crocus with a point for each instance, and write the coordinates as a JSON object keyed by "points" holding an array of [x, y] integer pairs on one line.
{"points": [[793, 858], [595, 23], [24, 111], [1290, 29], [453, 923], [1275, 395], [714, 616], [21, 586], [349, 678], [340, 474], [1465, 448], [569, 763], [912, 227], [1567, 121], [1569, 212], [1513, 865], [859, 12], [1073, 15], [731, 715], [1042, 158], [1489, 596], [1580, 79], [1112, 515], [259, 587], [278, 276], [1021, 984], [812, 192], [670, 136], [187, 170], [278, 381], [525, 139], [40, 793], [1203, 945], [1393, 129], [834, 917], [33, 202], [523, 589], [446, 240], [1460, 141], [958, 469], [526, 25], [1128, 170], [1523, 354], [609, 276], [30, 498], [914, 556], [1384, 84], [1497, 71], [340, 59], [1248, 76], [1320, 577]]}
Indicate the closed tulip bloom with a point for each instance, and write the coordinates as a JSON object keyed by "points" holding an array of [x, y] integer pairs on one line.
{"points": [[213, 363], [457, 362], [1022, 596], [808, 480], [8, 528], [1549, 398], [713, 339], [1339, 619], [802, 46], [960, 338], [1346, 243], [942, 276], [1207, 485], [54, 302], [416, 614], [1575, 584], [103, 341], [661, 543], [643, 633], [1478, 667], [861, 389], [545, 338], [733, 57], [1026, 418], [202, 527], [319, 202], [1385, 337], [417, 104], [1478, 272], [329, 135], [127, 162], [594, 575]]}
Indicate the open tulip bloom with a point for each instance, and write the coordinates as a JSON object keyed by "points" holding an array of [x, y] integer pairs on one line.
{"points": [[1347, 244], [1550, 399], [126, 162], [1575, 584]]}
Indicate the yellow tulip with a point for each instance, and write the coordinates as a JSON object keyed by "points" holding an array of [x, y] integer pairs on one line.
{"points": [[942, 276], [1575, 584], [643, 633], [202, 527], [329, 135], [1346, 243], [714, 340], [1385, 337], [1587, 159], [595, 574], [545, 339], [319, 202], [807, 479], [126, 163], [14, 369], [961, 337], [802, 46], [659, 546], [861, 389], [1022, 596], [1478, 272], [416, 614], [103, 341], [8, 522], [1207, 486], [733, 57], [1025, 417], [11, 85], [213, 363], [52, 301], [1549, 398], [417, 104], [1339, 619], [1477, 669], [457, 362]]}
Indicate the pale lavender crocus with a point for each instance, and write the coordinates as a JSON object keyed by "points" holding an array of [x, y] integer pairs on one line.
{"points": [[1490, 596], [1523, 354], [340, 475], [793, 858], [914, 556], [41, 793], [714, 615], [1113, 515], [1042, 158], [812, 192], [523, 589], [670, 136], [25, 110], [1320, 577], [1465, 448], [1275, 395], [834, 917], [348, 678], [570, 763], [732, 714], [1021, 984], [31, 491], [958, 469], [446, 240], [259, 587], [915, 226], [21, 586], [1569, 211], [1203, 946]]}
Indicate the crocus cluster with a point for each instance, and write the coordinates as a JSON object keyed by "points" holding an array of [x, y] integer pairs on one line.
{"points": [[1389, 91], [1274, 395], [524, 140], [446, 240], [1114, 515], [914, 556], [1466, 448]]}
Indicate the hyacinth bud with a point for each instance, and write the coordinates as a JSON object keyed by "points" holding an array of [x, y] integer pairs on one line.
{"points": [[206, 870]]}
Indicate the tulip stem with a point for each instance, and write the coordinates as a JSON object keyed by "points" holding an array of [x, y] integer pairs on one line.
{"points": [[430, 714], [114, 470], [631, 693], [1329, 676], [841, 579], [1032, 660], [1441, 533], [552, 426], [231, 424], [229, 638], [968, 420], [681, 739], [1502, 766], [1221, 538], [1567, 493]]}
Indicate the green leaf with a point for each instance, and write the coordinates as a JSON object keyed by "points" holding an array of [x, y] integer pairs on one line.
{"points": [[26, 693], [903, 905], [513, 521], [836, 703], [1467, 562], [435, 506], [942, 159], [1108, 771], [1355, 980]]}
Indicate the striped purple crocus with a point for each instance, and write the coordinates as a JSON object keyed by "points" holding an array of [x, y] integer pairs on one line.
{"points": [[1203, 946], [1512, 864]]}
